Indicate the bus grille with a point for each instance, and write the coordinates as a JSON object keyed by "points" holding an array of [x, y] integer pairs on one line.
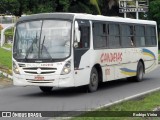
{"points": [[39, 70]]}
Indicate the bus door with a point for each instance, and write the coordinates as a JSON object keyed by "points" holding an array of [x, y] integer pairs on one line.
{"points": [[81, 53]]}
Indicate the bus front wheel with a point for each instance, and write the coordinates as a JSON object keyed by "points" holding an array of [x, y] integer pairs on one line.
{"points": [[93, 84], [45, 89]]}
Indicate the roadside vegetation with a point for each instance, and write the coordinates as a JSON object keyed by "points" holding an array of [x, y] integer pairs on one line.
{"points": [[6, 45], [5, 55], [5, 60], [148, 102], [8, 37]]}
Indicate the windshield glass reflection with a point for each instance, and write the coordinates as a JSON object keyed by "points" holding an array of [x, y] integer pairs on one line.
{"points": [[47, 39]]}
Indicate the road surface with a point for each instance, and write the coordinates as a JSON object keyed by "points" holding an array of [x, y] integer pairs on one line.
{"points": [[74, 99]]}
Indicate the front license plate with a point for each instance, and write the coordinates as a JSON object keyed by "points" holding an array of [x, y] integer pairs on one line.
{"points": [[39, 78]]}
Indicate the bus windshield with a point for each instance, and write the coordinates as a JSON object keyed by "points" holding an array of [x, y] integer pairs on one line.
{"points": [[42, 39]]}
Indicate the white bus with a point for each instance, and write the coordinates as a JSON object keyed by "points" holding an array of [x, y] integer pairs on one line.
{"points": [[70, 50]]}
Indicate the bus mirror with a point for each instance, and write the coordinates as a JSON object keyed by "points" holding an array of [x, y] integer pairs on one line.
{"points": [[77, 32], [75, 44]]}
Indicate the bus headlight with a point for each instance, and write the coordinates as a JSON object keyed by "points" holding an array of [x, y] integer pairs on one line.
{"points": [[67, 68], [15, 68]]}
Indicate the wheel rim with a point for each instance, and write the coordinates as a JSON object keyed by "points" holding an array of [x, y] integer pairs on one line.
{"points": [[94, 80]]}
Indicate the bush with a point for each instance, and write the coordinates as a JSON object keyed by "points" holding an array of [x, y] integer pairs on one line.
{"points": [[8, 35]]}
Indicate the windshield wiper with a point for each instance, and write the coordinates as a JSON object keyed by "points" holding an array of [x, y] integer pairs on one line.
{"points": [[45, 49], [29, 49], [42, 44]]}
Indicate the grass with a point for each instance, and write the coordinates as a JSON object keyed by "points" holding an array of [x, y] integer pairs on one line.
{"points": [[146, 103], [9, 32], [7, 45], [5, 59]]}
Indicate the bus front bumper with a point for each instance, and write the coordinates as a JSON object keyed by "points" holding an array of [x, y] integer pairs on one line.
{"points": [[45, 80]]}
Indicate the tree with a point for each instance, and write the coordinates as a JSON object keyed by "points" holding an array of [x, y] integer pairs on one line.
{"points": [[82, 6], [154, 14], [19, 7], [14, 7], [96, 4], [109, 7], [62, 5], [40, 6]]}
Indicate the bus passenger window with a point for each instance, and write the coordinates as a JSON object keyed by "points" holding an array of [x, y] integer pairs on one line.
{"points": [[132, 41]]}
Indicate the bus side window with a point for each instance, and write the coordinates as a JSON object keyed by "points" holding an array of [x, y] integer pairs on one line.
{"points": [[132, 41], [84, 39]]}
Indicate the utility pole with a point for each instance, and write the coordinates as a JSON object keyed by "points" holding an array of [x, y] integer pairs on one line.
{"points": [[125, 5], [137, 13]]}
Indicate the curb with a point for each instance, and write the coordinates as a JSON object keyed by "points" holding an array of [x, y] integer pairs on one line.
{"points": [[110, 104], [9, 49], [6, 75]]}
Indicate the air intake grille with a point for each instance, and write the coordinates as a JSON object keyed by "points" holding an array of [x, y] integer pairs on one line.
{"points": [[39, 70]]}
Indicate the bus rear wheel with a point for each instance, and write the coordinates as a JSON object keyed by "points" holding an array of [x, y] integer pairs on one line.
{"points": [[93, 84], [45, 89], [140, 72]]}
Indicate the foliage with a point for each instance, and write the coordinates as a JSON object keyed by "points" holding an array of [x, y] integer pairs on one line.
{"points": [[63, 5], [14, 7], [83, 6], [154, 13], [109, 7], [40, 6], [96, 4], [8, 34], [19, 7]]}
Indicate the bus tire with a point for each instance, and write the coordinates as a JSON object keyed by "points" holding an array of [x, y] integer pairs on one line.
{"points": [[45, 89], [140, 72], [93, 84]]}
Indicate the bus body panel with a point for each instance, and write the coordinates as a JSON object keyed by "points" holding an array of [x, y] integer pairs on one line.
{"points": [[115, 63], [82, 73], [150, 56]]}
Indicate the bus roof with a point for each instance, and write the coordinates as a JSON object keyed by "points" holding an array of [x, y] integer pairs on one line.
{"points": [[72, 16], [113, 19]]}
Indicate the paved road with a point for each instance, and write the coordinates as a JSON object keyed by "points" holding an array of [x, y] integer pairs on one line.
{"points": [[32, 99]]}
